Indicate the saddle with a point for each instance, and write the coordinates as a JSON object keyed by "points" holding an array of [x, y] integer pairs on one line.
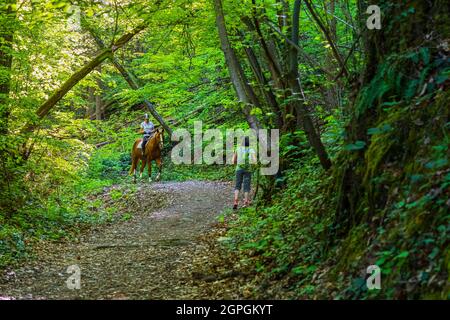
{"points": [[143, 142]]}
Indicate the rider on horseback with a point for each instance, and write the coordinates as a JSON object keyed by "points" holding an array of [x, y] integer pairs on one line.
{"points": [[147, 129]]}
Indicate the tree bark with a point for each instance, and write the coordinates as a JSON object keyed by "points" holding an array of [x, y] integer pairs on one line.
{"points": [[6, 39], [45, 108], [307, 58], [98, 106], [98, 97], [91, 99], [426, 29], [304, 117], [263, 84], [243, 90], [270, 57], [269, 52]]}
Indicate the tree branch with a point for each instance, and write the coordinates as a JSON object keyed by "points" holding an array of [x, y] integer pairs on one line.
{"points": [[302, 53], [84, 71], [129, 78], [328, 37]]}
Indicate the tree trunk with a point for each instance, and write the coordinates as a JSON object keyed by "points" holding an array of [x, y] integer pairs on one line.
{"points": [[331, 6], [98, 97], [423, 30], [134, 85], [8, 17], [328, 36], [268, 48], [45, 108], [243, 90], [91, 107], [263, 84], [303, 115], [98, 106]]}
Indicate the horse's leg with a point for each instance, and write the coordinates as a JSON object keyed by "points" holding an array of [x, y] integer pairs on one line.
{"points": [[142, 168], [136, 168], [149, 163], [133, 168], [159, 164]]}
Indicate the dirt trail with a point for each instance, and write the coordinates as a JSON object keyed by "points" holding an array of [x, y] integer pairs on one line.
{"points": [[146, 257]]}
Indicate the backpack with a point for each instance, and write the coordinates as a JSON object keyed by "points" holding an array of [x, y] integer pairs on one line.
{"points": [[246, 164]]}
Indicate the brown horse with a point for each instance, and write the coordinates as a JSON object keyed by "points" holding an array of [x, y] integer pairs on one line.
{"points": [[152, 152]]}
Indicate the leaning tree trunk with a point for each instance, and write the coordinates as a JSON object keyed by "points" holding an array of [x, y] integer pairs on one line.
{"points": [[128, 76], [79, 75], [134, 84], [328, 36], [84, 71]]}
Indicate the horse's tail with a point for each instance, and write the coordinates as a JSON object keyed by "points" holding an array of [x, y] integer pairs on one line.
{"points": [[133, 166]]}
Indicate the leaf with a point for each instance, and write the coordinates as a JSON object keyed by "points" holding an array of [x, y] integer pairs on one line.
{"points": [[402, 255], [434, 253], [411, 89], [311, 268], [416, 178], [390, 104], [425, 54], [256, 111], [380, 261], [89, 12], [439, 163], [359, 283], [379, 130], [414, 57], [443, 76], [298, 270], [358, 145], [440, 148]]}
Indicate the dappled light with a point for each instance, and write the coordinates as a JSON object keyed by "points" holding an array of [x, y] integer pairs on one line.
{"points": [[224, 149]]}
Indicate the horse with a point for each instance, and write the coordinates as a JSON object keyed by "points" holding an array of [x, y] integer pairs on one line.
{"points": [[152, 152]]}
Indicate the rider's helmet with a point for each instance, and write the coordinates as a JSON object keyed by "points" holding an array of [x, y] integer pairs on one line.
{"points": [[146, 116]]}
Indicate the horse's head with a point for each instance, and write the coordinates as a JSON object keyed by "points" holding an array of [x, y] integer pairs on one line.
{"points": [[159, 137]]}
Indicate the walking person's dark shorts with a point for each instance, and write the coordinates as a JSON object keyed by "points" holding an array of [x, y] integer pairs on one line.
{"points": [[243, 176]]}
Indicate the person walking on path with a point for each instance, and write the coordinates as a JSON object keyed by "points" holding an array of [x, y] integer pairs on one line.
{"points": [[243, 157]]}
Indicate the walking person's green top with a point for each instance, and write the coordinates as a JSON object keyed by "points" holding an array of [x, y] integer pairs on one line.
{"points": [[245, 158]]}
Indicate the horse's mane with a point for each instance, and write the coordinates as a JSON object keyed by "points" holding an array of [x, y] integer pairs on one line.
{"points": [[152, 140]]}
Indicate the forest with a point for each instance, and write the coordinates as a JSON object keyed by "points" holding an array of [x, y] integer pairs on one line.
{"points": [[353, 92]]}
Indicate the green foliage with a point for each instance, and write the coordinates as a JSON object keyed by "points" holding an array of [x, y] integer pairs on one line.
{"points": [[285, 234], [358, 145], [404, 177], [392, 142]]}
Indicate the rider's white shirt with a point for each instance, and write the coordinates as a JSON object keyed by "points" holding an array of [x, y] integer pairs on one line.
{"points": [[147, 127]]}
